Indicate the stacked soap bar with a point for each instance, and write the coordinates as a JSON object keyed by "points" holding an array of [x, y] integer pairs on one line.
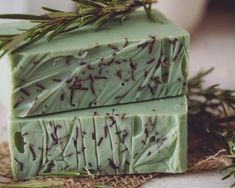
{"points": [[139, 60], [61, 92], [134, 138]]}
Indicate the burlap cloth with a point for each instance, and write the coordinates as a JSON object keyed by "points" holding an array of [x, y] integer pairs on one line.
{"points": [[205, 153]]}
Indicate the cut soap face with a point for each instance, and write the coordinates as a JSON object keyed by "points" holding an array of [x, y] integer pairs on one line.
{"points": [[142, 137], [136, 61]]}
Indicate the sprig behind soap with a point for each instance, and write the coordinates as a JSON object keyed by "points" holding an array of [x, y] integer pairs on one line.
{"points": [[211, 111]]}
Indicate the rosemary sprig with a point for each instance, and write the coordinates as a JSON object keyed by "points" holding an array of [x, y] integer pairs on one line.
{"points": [[211, 111], [69, 174], [89, 12], [35, 184], [210, 107], [102, 186]]}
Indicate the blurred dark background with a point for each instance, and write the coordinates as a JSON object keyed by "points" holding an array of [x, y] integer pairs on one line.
{"points": [[223, 3]]}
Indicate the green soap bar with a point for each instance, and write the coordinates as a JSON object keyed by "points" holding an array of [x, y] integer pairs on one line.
{"points": [[136, 61], [141, 137]]}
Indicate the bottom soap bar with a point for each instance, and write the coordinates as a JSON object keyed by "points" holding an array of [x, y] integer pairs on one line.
{"points": [[134, 138]]}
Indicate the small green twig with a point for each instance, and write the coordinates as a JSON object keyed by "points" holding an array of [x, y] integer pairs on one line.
{"points": [[102, 186]]}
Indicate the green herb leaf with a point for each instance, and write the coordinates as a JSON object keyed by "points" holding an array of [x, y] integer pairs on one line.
{"points": [[51, 10], [23, 17]]}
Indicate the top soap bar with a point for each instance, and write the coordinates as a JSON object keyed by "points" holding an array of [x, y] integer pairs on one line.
{"points": [[136, 61]]}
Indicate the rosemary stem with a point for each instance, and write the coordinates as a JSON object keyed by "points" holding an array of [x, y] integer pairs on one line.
{"points": [[225, 119]]}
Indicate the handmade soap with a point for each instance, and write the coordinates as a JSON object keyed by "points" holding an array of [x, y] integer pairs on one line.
{"points": [[136, 61], [141, 137]]}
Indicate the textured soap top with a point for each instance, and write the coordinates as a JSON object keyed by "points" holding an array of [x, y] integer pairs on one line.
{"points": [[135, 28], [137, 138], [137, 61]]}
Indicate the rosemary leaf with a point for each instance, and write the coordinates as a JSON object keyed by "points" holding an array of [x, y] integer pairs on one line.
{"points": [[149, 14], [228, 175], [35, 38], [2, 37], [51, 9], [61, 29], [124, 17], [6, 46], [23, 17], [63, 15]]}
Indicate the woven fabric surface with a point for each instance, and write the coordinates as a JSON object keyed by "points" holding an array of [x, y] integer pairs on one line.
{"points": [[205, 153]]}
